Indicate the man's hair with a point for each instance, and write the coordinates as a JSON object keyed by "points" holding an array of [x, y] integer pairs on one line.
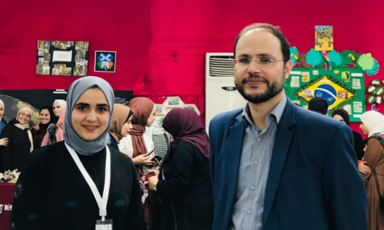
{"points": [[319, 105], [285, 49]]}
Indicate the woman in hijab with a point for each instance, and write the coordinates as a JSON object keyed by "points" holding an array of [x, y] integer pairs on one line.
{"points": [[359, 145], [20, 145], [121, 124], [80, 183], [372, 124], [3, 141], [184, 185], [139, 144], [46, 117], [57, 105], [55, 131]]}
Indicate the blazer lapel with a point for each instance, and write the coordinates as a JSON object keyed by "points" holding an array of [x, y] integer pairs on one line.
{"points": [[235, 143], [280, 151]]}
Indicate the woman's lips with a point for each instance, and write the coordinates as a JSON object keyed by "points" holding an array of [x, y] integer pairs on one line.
{"points": [[90, 127]]}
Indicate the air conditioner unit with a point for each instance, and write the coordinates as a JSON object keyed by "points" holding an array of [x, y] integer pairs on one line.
{"points": [[220, 91]]}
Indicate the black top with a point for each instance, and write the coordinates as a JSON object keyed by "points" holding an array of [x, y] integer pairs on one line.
{"points": [[359, 145], [14, 155], [51, 192], [186, 192]]}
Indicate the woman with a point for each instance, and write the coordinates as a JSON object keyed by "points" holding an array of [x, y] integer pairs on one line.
{"points": [[139, 144], [55, 131], [121, 124], [64, 183], [3, 141], [372, 124], [359, 145], [20, 144], [184, 185], [46, 116], [57, 105]]}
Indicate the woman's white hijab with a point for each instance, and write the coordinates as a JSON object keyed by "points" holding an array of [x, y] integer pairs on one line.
{"points": [[2, 103], [61, 102], [374, 121], [25, 126], [71, 138]]}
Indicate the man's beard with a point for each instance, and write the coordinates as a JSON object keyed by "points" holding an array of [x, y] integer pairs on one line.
{"points": [[273, 89]]}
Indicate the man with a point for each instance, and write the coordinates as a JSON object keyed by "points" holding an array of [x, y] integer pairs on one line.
{"points": [[319, 105], [276, 166]]}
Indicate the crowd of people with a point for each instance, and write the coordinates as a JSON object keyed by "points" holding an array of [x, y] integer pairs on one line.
{"points": [[270, 165]]}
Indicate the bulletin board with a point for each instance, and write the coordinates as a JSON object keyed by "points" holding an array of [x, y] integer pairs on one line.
{"points": [[338, 77], [63, 58], [341, 88]]}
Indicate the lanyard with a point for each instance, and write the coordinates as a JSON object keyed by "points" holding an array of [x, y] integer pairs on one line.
{"points": [[101, 201]]}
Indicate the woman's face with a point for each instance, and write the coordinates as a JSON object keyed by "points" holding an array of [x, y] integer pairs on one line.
{"points": [[126, 127], [151, 118], [364, 128], [1, 111], [56, 109], [90, 115], [24, 117], [44, 116], [339, 118]]}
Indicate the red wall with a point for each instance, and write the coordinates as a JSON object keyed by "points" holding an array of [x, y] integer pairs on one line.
{"points": [[161, 44]]}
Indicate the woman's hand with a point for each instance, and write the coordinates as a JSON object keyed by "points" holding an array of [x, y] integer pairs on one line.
{"points": [[363, 168], [36, 127], [142, 159], [152, 181], [156, 163], [4, 141]]}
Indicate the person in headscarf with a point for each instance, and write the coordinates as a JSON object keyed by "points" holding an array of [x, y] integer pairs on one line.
{"points": [[121, 124], [372, 124], [46, 117], [57, 105], [183, 183], [3, 141], [55, 131], [20, 145], [359, 145], [139, 144], [65, 185]]}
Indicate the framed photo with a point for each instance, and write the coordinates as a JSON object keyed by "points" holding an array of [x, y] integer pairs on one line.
{"points": [[160, 110], [105, 61], [173, 102], [192, 107]]}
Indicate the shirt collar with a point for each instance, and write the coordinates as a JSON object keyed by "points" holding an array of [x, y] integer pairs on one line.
{"points": [[277, 112]]}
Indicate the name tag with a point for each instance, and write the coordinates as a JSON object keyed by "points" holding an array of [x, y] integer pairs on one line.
{"points": [[104, 225]]}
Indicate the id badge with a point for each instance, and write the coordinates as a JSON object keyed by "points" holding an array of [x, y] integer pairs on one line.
{"points": [[104, 225]]}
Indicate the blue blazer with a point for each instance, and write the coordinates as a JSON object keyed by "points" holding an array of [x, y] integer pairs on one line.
{"points": [[313, 181]]}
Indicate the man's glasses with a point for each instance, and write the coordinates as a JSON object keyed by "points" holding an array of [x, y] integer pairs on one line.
{"points": [[263, 61]]}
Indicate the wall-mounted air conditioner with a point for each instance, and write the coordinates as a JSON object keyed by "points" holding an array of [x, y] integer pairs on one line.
{"points": [[220, 91]]}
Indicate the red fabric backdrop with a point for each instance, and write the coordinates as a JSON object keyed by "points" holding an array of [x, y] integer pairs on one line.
{"points": [[161, 44]]}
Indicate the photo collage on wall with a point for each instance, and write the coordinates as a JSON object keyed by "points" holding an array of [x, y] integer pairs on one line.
{"points": [[62, 58], [171, 103]]}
